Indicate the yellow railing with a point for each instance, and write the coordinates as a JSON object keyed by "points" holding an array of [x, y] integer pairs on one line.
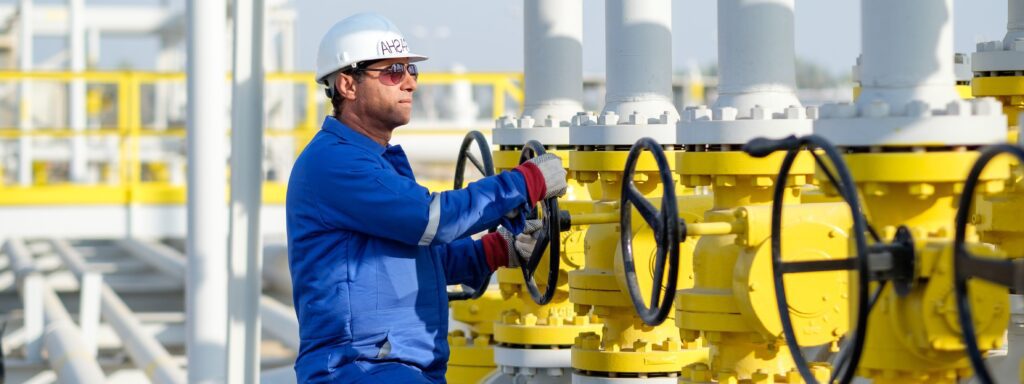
{"points": [[128, 129]]}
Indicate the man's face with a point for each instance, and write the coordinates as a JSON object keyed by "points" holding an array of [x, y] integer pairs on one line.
{"points": [[390, 105]]}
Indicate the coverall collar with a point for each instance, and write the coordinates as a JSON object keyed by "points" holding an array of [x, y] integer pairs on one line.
{"points": [[343, 131]]}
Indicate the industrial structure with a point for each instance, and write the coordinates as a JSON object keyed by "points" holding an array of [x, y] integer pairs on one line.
{"points": [[752, 240]]}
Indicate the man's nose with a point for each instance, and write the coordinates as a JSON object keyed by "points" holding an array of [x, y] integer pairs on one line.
{"points": [[409, 83]]}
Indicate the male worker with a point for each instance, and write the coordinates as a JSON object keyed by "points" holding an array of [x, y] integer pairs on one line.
{"points": [[370, 250]]}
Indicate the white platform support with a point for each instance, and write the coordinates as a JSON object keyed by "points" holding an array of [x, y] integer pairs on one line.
{"points": [[62, 340], [278, 319], [147, 353]]}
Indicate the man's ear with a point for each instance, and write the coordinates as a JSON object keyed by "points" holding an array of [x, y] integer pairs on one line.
{"points": [[345, 86]]}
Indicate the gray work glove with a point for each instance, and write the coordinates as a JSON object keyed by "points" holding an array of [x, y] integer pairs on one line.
{"points": [[524, 243], [554, 174]]}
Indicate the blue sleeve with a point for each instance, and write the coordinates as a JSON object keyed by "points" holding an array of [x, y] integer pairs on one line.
{"points": [[464, 261], [355, 192]]}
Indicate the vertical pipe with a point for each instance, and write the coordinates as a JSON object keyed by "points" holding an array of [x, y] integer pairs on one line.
{"points": [[286, 158], [246, 183], [93, 47], [161, 98], [907, 48], [25, 52], [1014, 23], [756, 55], [76, 92], [553, 53], [638, 35], [206, 288]]}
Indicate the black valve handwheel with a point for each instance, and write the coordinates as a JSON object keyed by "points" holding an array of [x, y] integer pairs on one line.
{"points": [[485, 165], [847, 363], [548, 237], [667, 234], [1009, 273]]}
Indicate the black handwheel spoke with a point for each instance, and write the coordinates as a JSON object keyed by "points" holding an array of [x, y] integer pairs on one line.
{"points": [[644, 207], [548, 239], [1009, 273], [665, 223], [485, 166], [476, 163]]}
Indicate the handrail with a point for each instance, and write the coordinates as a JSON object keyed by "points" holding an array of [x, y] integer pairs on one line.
{"points": [[129, 131]]}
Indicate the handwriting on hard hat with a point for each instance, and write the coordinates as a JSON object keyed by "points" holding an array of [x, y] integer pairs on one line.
{"points": [[392, 46]]}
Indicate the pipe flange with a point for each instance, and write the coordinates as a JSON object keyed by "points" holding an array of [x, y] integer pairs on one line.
{"points": [[994, 56], [703, 125], [509, 130], [611, 129], [877, 123]]}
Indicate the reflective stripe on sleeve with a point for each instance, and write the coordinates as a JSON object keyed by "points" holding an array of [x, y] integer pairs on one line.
{"points": [[433, 220]]}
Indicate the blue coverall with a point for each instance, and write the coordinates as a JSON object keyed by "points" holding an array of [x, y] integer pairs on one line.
{"points": [[370, 253]]}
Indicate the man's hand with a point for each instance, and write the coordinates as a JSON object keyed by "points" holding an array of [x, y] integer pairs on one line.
{"points": [[545, 177], [525, 242], [501, 247]]}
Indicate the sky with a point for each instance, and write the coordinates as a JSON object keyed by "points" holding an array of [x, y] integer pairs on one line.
{"points": [[487, 35]]}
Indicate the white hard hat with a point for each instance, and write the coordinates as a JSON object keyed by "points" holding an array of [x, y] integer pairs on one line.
{"points": [[357, 38]]}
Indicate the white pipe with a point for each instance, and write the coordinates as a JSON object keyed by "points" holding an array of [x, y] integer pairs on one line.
{"points": [[76, 91], [908, 46], [245, 253], [147, 353], [756, 55], [206, 288], [1014, 23], [89, 304], [159, 256], [278, 320], [62, 340], [553, 53], [638, 35], [25, 52]]}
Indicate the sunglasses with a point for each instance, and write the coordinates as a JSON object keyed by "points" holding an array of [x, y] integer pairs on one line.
{"points": [[395, 73]]}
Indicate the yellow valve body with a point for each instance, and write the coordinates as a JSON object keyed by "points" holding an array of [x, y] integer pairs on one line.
{"points": [[998, 215], [625, 345], [916, 338], [732, 301], [522, 321]]}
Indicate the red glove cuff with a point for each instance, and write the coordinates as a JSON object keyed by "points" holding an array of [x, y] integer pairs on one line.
{"points": [[536, 187], [495, 250]]}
